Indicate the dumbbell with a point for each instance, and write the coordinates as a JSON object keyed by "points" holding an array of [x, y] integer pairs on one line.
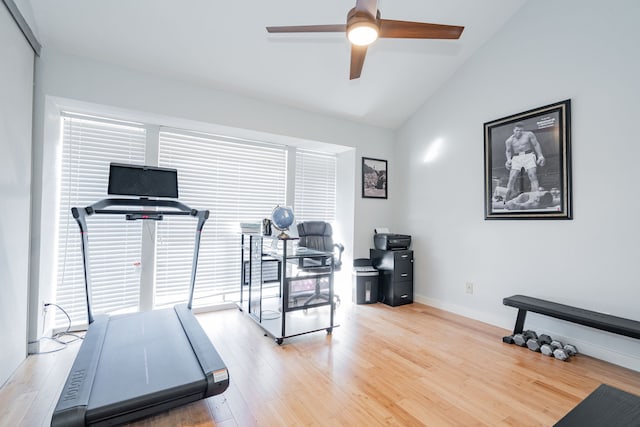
{"points": [[548, 349], [561, 354], [564, 352], [557, 344], [545, 339], [535, 344], [570, 349], [508, 339], [521, 339]]}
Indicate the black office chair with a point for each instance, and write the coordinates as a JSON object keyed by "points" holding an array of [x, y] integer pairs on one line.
{"points": [[318, 235]]}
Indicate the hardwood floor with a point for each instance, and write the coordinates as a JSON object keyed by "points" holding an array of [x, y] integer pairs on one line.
{"points": [[409, 365]]}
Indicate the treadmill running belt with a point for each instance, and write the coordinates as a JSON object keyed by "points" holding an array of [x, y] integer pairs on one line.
{"points": [[134, 365], [148, 357]]}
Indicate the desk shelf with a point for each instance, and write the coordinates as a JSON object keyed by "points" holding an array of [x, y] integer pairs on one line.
{"points": [[297, 303]]}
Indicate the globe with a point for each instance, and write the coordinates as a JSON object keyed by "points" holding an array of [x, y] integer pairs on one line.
{"points": [[282, 218]]}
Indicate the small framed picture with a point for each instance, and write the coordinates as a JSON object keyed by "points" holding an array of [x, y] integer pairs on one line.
{"points": [[374, 178], [527, 164]]}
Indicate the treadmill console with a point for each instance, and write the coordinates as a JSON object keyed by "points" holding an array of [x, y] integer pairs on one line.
{"points": [[145, 215]]}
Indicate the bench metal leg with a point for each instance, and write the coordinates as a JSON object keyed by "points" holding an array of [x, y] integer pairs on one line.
{"points": [[520, 321]]}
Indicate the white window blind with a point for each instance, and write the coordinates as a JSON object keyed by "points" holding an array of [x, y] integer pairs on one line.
{"points": [[237, 182], [315, 186], [89, 145]]}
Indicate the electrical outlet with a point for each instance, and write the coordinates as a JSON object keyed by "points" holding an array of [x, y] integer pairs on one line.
{"points": [[468, 287]]}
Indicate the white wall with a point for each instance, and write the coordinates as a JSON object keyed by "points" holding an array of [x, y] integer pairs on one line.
{"points": [[65, 81], [16, 89], [550, 51]]}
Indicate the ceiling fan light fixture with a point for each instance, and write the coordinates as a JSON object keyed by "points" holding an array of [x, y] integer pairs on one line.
{"points": [[362, 33], [364, 26]]}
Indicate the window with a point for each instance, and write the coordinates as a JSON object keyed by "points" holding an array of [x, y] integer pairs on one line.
{"points": [[236, 180], [88, 147], [315, 186]]}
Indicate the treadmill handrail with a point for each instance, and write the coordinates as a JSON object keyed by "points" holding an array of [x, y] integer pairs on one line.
{"points": [[100, 207]]}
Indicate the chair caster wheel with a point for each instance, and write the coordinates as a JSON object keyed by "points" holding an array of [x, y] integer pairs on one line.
{"points": [[329, 331], [279, 341]]}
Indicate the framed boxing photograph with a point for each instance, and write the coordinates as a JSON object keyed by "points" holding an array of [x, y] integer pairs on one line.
{"points": [[527, 164], [374, 178]]}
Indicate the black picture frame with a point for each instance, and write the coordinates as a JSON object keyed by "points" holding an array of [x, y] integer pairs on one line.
{"points": [[538, 142], [374, 178]]}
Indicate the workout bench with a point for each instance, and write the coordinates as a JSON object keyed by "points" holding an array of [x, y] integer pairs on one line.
{"points": [[593, 319]]}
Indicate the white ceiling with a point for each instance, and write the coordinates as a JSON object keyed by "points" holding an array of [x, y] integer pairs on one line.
{"points": [[223, 44]]}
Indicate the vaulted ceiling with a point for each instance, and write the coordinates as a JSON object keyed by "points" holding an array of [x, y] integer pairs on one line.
{"points": [[224, 44]]}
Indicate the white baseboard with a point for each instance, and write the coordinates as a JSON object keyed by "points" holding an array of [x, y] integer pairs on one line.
{"points": [[482, 316]]}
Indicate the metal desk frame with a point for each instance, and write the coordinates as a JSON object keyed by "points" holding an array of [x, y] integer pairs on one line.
{"points": [[251, 299]]}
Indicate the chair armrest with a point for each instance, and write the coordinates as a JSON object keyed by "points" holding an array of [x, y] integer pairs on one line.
{"points": [[340, 248]]}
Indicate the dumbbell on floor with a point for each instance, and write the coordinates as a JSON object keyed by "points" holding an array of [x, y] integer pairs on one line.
{"points": [[564, 353], [570, 349], [548, 349], [535, 344], [561, 354], [543, 343], [521, 339]]}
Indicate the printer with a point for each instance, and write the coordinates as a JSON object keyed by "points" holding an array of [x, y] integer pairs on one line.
{"points": [[391, 241]]}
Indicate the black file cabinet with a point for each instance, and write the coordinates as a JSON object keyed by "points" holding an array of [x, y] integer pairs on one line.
{"points": [[396, 275]]}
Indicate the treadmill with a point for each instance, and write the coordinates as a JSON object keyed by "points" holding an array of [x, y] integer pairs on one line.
{"points": [[134, 365]]}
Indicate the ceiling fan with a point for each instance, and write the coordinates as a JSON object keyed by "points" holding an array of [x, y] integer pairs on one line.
{"points": [[364, 26]]}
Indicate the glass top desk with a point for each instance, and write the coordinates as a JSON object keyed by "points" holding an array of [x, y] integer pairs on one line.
{"points": [[293, 301]]}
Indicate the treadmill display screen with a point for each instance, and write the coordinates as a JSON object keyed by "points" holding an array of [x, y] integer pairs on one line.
{"points": [[142, 181]]}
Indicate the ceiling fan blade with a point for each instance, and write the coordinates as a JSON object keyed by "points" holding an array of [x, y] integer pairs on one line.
{"points": [[309, 29], [418, 30], [357, 61], [370, 6]]}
